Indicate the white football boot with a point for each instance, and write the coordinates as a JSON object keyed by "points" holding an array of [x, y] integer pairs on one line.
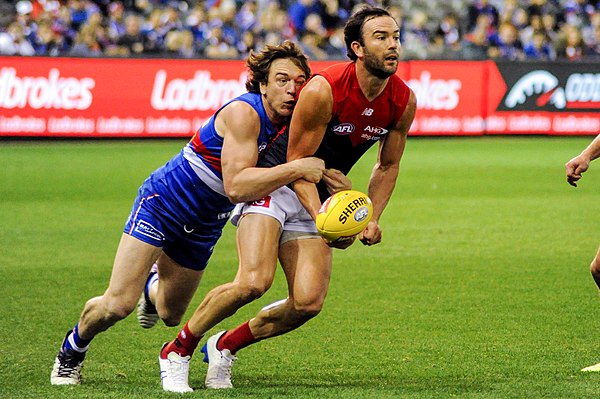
{"points": [[595, 368], [218, 375], [67, 366], [174, 372]]}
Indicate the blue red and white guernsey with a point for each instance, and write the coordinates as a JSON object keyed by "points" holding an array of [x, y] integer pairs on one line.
{"points": [[182, 206], [356, 122]]}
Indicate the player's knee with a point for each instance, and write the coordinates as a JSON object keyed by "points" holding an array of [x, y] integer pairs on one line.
{"points": [[252, 286], [171, 321], [117, 309], [171, 317], [252, 290], [307, 310]]}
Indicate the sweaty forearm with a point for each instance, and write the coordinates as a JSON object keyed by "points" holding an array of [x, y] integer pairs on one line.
{"points": [[381, 187], [592, 151]]}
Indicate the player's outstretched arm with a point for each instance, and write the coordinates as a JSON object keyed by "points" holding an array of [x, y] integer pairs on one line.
{"points": [[576, 166], [385, 172], [239, 125], [310, 118]]}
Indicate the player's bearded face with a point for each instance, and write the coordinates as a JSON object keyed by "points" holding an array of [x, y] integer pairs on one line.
{"points": [[381, 47], [379, 65]]}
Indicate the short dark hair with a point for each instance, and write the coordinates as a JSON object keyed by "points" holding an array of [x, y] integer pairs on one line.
{"points": [[354, 25], [259, 63]]}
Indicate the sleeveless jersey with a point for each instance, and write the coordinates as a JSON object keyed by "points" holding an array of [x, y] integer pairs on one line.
{"points": [[203, 151], [182, 206], [356, 122]]}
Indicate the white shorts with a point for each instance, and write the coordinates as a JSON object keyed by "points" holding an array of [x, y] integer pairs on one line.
{"points": [[284, 206]]}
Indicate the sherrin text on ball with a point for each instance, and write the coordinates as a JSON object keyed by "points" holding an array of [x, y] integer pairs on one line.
{"points": [[344, 214]]}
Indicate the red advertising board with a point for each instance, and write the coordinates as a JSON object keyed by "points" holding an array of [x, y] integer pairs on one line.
{"points": [[57, 97], [450, 97], [110, 97]]}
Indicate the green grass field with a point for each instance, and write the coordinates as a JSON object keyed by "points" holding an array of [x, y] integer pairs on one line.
{"points": [[480, 288]]}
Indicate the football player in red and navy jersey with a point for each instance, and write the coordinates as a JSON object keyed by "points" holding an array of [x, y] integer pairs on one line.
{"points": [[366, 97], [340, 114], [183, 206]]}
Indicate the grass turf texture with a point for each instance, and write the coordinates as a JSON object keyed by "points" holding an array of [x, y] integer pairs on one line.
{"points": [[480, 288]]}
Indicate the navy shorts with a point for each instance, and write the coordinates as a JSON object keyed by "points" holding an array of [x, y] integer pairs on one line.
{"points": [[177, 211]]}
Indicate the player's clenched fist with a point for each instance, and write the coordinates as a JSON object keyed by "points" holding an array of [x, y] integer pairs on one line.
{"points": [[311, 168], [575, 167], [371, 234]]}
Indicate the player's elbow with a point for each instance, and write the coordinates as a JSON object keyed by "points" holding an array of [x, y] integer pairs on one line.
{"points": [[236, 194]]}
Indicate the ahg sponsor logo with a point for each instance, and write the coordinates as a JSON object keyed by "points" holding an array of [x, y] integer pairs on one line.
{"points": [[376, 130], [373, 133]]}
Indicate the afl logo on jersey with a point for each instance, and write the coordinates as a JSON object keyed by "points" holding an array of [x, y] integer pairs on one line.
{"points": [[343, 129]]}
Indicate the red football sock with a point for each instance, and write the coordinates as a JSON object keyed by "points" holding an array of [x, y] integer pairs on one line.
{"points": [[236, 339], [185, 344]]}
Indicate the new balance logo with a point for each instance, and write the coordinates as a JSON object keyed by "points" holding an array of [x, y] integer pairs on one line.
{"points": [[368, 112]]}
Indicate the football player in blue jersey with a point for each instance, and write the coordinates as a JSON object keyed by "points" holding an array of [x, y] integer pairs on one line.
{"points": [[183, 206]]}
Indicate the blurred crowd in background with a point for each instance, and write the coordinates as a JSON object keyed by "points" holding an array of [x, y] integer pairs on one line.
{"points": [[229, 29]]}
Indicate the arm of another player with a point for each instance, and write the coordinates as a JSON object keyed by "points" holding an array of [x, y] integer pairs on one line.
{"points": [[239, 125], [310, 118], [576, 166], [385, 172], [336, 181]]}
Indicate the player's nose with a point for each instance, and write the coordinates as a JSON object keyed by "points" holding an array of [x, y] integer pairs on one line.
{"points": [[292, 87]]}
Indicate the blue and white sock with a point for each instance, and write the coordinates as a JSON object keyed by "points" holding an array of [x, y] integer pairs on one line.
{"points": [[75, 342]]}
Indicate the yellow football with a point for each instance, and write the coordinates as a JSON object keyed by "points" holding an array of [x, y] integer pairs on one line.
{"points": [[344, 214]]}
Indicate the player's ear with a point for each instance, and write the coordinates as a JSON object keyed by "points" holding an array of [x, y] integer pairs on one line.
{"points": [[357, 48], [263, 88]]}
